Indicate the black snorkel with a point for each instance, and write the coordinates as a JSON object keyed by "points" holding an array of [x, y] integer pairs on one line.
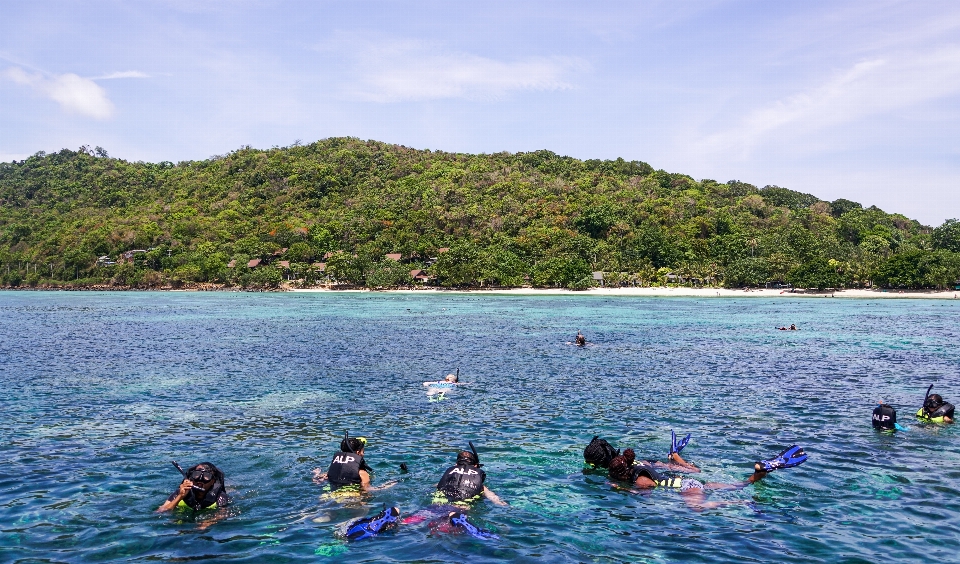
{"points": [[346, 442], [476, 456], [926, 396]]}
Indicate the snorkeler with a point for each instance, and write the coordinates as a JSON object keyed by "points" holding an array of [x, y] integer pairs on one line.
{"points": [[581, 341], [202, 488], [348, 472], [643, 475], [463, 483], [459, 488], [885, 418], [791, 328], [934, 409]]}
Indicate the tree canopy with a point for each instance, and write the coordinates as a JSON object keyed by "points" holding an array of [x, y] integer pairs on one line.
{"points": [[333, 210]]}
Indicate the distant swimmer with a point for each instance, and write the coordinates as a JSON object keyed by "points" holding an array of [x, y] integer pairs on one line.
{"points": [[437, 390], [791, 328], [581, 340], [934, 409], [202, 489], [642, 475]]}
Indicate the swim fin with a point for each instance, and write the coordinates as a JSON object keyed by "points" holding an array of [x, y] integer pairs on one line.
{"points": [[675, 446], [373, 526], [460, 520], [793, 456]]}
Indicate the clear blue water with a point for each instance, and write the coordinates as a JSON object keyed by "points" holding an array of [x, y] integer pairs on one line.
{"points": [[102, 390]]}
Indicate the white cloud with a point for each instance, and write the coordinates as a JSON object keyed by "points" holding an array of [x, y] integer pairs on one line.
{"points": [[123, 74], [868, 88], [75, 94], [399, 70]]}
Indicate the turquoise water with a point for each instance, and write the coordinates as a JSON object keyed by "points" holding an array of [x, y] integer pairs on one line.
{"points": [[102, 390]]}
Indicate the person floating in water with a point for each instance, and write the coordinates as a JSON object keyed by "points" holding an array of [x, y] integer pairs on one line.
{"points": [[202, 488], [884, 417], [460, 487], [348, 474], [581, 341], [791, 328], [934, 409], [643, 475], [437, 390]]}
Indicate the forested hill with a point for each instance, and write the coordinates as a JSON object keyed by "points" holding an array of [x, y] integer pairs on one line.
{"points": [[506, 219]]}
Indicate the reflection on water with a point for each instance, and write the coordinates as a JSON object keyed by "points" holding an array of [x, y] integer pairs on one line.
{"points": [[102, 390]]}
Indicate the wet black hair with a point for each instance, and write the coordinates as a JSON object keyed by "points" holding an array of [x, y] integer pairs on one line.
{"points": [[599, 452], [467, 457], [933, 402]]}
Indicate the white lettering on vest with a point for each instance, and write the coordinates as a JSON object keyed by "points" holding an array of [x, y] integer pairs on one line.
{"points": [[467, 472], [343, 459]]}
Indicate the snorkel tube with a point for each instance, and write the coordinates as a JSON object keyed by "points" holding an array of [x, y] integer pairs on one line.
{"points": [[475, 455], [926, 396], [346, 442]]}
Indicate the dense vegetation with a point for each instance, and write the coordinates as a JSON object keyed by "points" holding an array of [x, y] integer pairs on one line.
{"points": [[507, 219]]}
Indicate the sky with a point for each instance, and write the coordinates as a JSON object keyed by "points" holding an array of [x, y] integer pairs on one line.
{"points": [[857, 99]]}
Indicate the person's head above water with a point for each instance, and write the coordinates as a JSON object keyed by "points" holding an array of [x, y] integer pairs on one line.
{"points": [[621, 467], [467, 458], [353, 444], [204, 475], [933, 402], [793, 327], [599, 452], [451, 378]]}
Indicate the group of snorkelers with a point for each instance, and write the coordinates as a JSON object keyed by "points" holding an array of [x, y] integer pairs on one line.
{"points": [[934, 410], [348, 477]]}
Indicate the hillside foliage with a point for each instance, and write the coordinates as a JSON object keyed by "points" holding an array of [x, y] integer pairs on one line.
{"points": [[504, 219]]}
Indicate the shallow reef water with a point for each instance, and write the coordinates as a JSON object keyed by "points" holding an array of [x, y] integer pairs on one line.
{"points": [[102, 390]]}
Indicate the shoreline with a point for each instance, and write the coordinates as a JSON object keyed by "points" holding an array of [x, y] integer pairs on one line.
{"points": [[648, 292], [664, 292]]}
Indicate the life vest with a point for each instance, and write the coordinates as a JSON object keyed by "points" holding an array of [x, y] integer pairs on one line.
{"points": [[643, 468], [461, 482], [345, 469], [216, 497], [937, 415], [884, 417]]}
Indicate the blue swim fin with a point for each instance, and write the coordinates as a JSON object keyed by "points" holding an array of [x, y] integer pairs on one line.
{"points": [[373, 526], [793, 456], [675, 446], [460, 520]]}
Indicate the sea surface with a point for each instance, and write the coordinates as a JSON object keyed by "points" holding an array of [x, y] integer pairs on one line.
{"points": [[100, 391]]}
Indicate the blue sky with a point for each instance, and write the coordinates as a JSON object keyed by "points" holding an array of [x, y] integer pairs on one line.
{"points": [[859, 100]]}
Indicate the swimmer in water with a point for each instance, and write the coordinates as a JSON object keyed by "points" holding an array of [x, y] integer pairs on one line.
{"points": [[642, 475], [581, 340]]}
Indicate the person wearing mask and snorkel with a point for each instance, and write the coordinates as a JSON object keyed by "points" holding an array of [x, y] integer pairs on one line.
{"points": [[642, 475], [202, 489], [348, 474], [459, 488], [934, 409]]}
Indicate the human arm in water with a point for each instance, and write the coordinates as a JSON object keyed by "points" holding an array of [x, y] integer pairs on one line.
{"points": [[177, 496], [494, 498], [677, 464]]}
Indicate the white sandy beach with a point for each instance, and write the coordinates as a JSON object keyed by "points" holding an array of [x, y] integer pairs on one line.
{"points": [[685, 292]]}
